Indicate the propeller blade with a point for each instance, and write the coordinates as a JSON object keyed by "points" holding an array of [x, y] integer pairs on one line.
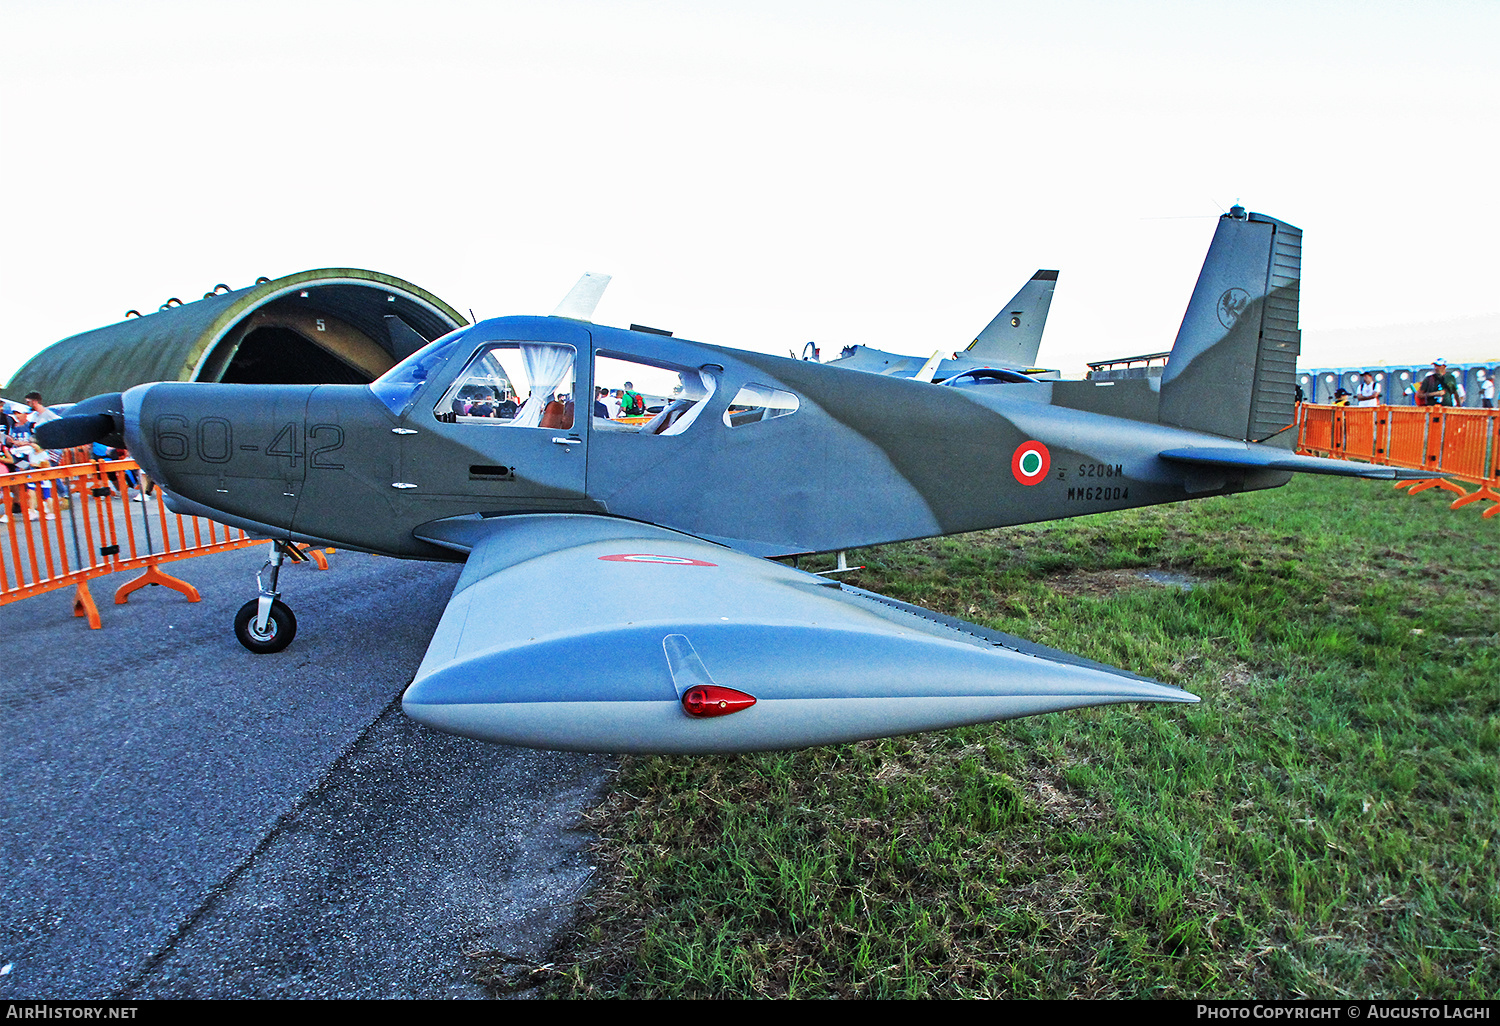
{"points": [[70, 431], [99, 418]]}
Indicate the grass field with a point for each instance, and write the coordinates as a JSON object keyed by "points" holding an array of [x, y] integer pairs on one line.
{"points": [[1323, 824]]}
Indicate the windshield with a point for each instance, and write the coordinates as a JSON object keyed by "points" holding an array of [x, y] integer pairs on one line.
{"points": [[396, 386]]}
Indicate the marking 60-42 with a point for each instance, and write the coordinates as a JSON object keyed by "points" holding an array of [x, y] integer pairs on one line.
{"points": [[174, 438]]}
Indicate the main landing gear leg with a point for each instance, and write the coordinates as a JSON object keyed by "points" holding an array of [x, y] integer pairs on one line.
{"points": [[265, 624]]}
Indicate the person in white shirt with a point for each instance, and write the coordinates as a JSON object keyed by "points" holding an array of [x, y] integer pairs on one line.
{"points": [[39, 413], [1366, 392], [39, 416]]}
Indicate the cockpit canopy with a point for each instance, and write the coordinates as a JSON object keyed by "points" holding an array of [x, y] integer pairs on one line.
{"points": [[982, 377], [505, 382]]}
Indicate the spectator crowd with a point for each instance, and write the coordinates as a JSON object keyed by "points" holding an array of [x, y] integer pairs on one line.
{"points": [[19, 453]]}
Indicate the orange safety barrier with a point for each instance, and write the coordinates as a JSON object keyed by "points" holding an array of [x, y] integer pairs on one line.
{"points": [[1315, 429], [1360, 431], [87, 526], [1453, 441]]}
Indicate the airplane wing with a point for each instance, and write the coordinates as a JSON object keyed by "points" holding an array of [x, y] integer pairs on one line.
{"points": [[583, 297], [1246, 456], [929, 369], [591, 633]]}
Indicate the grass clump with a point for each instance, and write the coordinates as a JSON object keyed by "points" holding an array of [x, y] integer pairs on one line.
{"points": [[1324, 823]]}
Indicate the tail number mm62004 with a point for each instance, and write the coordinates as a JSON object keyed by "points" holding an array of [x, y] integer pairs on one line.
{"points": [[1100, 492], [213, 438]]}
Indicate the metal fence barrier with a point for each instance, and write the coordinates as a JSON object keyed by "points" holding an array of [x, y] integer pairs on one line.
{"points": [[1459, 443], [65, 525]]}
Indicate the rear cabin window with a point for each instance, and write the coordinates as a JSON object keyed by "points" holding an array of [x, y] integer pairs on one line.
{"points": [[755, 403]]}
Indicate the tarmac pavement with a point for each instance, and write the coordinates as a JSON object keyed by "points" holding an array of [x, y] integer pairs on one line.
{"points": [[182, 818]]}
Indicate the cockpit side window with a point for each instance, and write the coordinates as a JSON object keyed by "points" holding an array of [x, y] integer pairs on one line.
{"points": [[513, 384]]}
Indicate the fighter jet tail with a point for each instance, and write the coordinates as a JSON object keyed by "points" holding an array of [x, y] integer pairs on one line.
{"points": [[1014, 336], [1232, 371]]}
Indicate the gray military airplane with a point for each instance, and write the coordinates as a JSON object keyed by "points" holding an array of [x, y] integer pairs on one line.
{"points": [[1006, 348], [615, 596]]}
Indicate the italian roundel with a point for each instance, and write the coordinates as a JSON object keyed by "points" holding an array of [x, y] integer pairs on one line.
{"points": [[651, 557], [1031, 463]]}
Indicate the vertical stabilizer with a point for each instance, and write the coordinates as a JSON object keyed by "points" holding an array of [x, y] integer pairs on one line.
{"points": [[405, 339], [1233, 367], [1014, 336]]}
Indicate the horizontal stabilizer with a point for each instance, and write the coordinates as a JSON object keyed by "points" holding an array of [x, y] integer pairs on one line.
{"points": [[1266, 458], [590, 633]]}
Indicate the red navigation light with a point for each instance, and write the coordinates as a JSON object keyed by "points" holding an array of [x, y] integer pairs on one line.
{"points": [[703, 700]]}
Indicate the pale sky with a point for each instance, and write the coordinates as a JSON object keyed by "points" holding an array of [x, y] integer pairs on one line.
{"points": [[760, 174]]}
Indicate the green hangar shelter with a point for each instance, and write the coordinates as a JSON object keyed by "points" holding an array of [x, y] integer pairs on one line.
{"points": [[337, 325]]}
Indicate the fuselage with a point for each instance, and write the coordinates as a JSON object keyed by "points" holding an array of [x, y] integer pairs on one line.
{"points": [[769, 455]]}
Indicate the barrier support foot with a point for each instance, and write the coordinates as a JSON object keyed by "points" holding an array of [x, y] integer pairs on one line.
{"points": [[83, 605], [1436, 482], [153, 575], [1484, 492]]}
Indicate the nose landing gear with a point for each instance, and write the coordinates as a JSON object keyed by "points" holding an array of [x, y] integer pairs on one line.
{"points": [[265, 624], [279, 630]]}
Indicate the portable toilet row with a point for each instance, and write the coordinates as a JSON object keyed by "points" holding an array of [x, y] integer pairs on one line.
{"points": [[1474, 378], [1398, 385]]}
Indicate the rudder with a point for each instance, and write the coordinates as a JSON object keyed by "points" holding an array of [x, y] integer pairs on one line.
{"points": [[1232, 370]]}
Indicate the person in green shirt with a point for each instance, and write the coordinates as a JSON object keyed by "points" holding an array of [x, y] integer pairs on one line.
{"points": [[1440, 388], [631, 403]]}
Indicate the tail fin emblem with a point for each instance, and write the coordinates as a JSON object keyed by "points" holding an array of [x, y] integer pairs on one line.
{"points": [[1232, 305]]}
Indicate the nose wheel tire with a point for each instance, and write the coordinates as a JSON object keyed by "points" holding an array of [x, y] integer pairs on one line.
{"points": [[281, 628]]}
